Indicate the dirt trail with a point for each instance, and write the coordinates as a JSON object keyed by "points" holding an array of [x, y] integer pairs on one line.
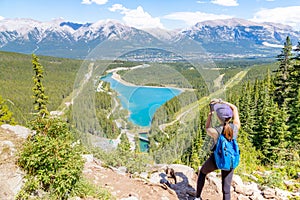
{"points": [[122, 186]]}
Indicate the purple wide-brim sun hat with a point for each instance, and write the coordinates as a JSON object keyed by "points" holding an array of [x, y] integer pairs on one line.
{"points": [[223, 111]]}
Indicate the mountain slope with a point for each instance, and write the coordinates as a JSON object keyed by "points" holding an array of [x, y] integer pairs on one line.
{"points": [[65, 39], [238, 36], [230, 37]]}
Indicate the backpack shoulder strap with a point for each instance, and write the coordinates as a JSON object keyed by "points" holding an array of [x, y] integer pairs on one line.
{"points": [[219, 129]]}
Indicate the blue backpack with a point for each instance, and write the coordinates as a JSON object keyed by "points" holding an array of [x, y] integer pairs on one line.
{"points": [[226, 153]]}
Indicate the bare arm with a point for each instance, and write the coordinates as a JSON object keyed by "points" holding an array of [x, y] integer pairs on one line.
{"points": [[208, 121], [209, 130]]}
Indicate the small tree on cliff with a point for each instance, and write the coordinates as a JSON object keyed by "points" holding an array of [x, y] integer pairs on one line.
{"points": [[124, 145], [40, 99], [5, 114]]}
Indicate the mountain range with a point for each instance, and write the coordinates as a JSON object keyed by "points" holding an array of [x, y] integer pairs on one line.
{"points": [[219, 38]]}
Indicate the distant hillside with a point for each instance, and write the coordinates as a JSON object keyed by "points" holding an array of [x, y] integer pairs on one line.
{"points": [[60, 73], [16, 81]]}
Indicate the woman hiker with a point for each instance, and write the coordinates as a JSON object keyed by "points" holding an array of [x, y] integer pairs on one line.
{"points": [[225, 112]]}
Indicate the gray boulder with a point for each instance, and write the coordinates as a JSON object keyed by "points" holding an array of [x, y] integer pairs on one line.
{"points": [[18, 130]]}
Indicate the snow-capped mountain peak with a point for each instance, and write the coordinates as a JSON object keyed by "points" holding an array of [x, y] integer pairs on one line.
{"points": [[233, 22], [22, 26], [102, 28], [163, 34], [77, 39], [109, 26]]}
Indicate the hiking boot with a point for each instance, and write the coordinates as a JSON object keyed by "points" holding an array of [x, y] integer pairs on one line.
{"points": [[191, 193]]}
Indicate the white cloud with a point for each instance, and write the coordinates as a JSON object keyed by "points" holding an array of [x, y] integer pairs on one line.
{"points": [[99, 2], [137, 17], [1, 17], [118, 7], [200, 1], [191, 18], [284, 15], [225, 2]]}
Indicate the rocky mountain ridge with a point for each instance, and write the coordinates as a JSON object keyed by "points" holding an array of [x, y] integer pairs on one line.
{"points": [[241, 36], [74, 40], [153, 184]]}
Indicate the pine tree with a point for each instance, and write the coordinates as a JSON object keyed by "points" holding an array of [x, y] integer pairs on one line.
{"points": [[137, 144], [256, 109], [280, 134], [282, 85], [195, 151], [124, 145], [5, 114], [247, 109], [249, 156], [294, 121], [259, 89], [294, 106], [294, 75], [40, 99], [265, 135]]}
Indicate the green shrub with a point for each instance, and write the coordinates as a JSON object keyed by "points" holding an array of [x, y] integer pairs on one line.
{"points": [[134, 162], [275, 179], [84, 188], [6, 116], [51, 159]]}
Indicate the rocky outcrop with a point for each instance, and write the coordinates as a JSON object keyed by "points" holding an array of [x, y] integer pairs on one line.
{"points": [[19, 131], [156, 183], [11, 177], [187, 178]]}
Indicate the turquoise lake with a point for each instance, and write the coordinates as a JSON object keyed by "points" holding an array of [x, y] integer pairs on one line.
{"points": [[141, 101]]}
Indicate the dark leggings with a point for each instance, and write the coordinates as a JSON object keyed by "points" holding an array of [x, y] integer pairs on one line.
{"points": [[208, 167]]}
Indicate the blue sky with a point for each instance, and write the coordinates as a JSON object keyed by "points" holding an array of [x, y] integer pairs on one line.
{"points": [[168, 14]]}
